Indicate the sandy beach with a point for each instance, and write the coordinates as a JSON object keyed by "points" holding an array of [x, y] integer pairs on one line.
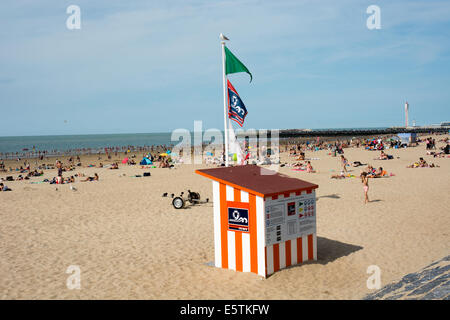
{"points": [[130, 243]]}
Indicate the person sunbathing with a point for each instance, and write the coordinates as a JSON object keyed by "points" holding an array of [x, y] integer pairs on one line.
{"points": [[4, 187], [301, 156], [338, 176], [309, 168], [369, 170], [114, 166], [383, 156], [446, 149], [358, 163], [164, 163], [436, 154], [94, 178], [441, 154], [380, 173], [414, 165], [422, 164], [298, 165]]}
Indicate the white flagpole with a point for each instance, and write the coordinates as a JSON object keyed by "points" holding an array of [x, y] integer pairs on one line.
{"points": [[225, 103]]}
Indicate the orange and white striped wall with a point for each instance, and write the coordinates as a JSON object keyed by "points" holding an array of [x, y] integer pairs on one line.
{"points": [[247, 250]]}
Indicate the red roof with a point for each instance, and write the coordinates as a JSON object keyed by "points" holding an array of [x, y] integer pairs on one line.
{"points": [[257, 180]]}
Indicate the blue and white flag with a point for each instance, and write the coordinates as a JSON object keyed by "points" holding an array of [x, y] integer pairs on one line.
{"points": [[236, 108]]}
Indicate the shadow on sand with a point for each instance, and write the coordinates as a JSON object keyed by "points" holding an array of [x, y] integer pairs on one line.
{"points": [[328, 251], [332, 196], [331, 250]]}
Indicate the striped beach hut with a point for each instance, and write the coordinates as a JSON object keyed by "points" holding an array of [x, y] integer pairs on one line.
{"points": [[263, 221]]}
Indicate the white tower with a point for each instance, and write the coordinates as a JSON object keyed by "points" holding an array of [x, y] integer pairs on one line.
{"points": [[406, 114]]}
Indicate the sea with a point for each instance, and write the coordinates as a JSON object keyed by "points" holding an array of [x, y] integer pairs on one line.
{"points": [[88, 143]]}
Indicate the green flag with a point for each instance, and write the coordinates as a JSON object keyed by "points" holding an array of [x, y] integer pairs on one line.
{"points": [[233, 65]]}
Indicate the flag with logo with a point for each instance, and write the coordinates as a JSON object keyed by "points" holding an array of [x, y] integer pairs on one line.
{"points": [[236, 108]]}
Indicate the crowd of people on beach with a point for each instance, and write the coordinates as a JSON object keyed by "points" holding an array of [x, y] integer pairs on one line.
{"points": [[295, 149], [161, 161], [336, 148], [42, 154], [374, 144], [74, 163]]}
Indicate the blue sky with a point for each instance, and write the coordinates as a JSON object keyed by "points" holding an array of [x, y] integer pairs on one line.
{"points": [[154, 66]]}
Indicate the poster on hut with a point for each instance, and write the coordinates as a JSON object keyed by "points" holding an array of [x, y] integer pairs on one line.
{"points": [[290, 218]]}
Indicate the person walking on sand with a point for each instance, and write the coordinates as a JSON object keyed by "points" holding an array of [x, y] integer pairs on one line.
{"points": [[60, 171], [365, 182], [344, 163]]}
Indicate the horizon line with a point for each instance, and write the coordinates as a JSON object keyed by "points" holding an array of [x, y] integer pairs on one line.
{"points": [[130, 133]]}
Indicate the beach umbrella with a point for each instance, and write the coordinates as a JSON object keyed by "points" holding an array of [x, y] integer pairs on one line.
{"points": [[125, 160], [145, 161]]}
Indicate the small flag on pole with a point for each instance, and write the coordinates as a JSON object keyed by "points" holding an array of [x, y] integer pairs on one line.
{"points": [[233, 65], [235, 147], [236, 108]]}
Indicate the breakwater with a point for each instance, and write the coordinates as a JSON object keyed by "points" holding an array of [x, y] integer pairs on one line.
{"points": [[298, 133]]}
